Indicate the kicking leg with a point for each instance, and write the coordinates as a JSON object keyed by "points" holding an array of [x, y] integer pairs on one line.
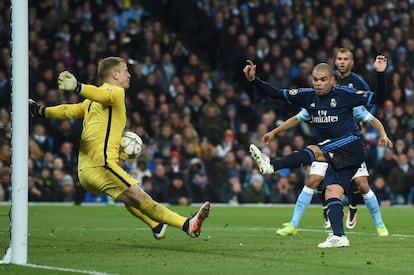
{"points": [[293, 160], [157, 212], [158, 229]]}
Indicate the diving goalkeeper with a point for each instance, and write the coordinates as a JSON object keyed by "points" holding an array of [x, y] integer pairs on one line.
{"points": [[104, 118]]}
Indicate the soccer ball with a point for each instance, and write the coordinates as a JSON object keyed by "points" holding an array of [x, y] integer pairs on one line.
{"points": [[131, 145]]}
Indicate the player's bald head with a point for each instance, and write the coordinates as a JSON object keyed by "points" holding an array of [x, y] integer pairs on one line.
{"points": [[323, 67]]}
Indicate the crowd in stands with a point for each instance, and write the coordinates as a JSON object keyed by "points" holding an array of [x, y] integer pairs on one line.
{"points": [[189, 100]]}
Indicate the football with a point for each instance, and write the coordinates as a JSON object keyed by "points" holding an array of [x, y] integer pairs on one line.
{"points": [[131, 145]]}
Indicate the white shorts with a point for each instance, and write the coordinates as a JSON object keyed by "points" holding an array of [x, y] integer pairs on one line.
{"points": [[319, 168], [361, 172]]}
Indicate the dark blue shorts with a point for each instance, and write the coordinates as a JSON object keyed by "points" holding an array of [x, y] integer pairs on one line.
{"points": [[343, 177], [343, 152]]}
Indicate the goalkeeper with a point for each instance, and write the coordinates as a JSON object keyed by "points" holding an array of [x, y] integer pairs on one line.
{"points": [[104, 118]]}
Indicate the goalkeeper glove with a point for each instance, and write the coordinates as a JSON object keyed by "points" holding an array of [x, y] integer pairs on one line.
{"points": [[68, 82], [36, 110]]}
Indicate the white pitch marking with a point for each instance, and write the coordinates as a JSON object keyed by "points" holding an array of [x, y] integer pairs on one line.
{"points": [[67, 269], [327, 231]]}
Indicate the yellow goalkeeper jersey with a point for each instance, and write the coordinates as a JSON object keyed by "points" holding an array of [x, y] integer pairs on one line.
{"points": [[104, 117]]}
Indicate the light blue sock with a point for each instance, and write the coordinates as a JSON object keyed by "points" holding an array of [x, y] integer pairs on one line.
{"points": [[303, 201], [373, 207]]}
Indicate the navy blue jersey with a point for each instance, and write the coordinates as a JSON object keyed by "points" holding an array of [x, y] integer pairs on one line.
{"points": [[353, 80], [331, 114]]}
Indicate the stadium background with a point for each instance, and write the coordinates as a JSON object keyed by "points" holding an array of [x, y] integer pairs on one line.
{"points": [[188, 99]]}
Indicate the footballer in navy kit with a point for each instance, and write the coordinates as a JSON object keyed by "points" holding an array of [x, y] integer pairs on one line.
{"points": [[331, 112], [318, 171], [330, 109], [344, 62]]}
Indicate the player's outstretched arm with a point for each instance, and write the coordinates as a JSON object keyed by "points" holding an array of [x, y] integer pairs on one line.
{"points": [[285, 126], [250, 73], [249, 70], [383, 138], [62, 111], [36, 111], [380, 66], [68, 82], [380, 63]]}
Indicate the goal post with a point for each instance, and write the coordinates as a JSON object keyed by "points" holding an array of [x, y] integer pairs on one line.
{"points": [[17, 252]]}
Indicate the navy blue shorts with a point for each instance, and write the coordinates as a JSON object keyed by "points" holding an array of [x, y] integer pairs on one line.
{"points": [[343, 177], [343, 152]]}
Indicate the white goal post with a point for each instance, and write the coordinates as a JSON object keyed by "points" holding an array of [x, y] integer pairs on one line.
{"points": [[17, 252]]}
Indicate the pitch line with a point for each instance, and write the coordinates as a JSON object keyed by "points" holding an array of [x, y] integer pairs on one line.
{"points": [[67, 269], [328, 231], [358, 233]]}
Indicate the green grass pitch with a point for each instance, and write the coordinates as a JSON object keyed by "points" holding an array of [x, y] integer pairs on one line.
{"points": [[235, 240]]}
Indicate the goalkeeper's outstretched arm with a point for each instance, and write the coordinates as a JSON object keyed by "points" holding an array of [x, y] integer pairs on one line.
{"points": [[62, 111], [68, 82]]}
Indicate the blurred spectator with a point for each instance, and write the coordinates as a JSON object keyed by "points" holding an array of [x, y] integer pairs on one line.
{"points": [[228, 143], [141, 170], [67, 188], [382, 191], [45, 142], [159, 181], [282, 192], [200, 187], [400, 147], [164, 141], [246, 170], [5, 88], [231, 119], [256, 137], [57, 183], [197, 180], [34, 192], [384, 165], [410, 155], [178, 192], [233, 192], [135, 12], [5, 181], [5, 155], [210, 123], [388, 109], [31, 167], [256, 190], [35, 153], [243, 136], [146, 184], [175, 163], [43, 183], [190, 135], [400, 179], [302, 80], [246, 110], [69, 158]]}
